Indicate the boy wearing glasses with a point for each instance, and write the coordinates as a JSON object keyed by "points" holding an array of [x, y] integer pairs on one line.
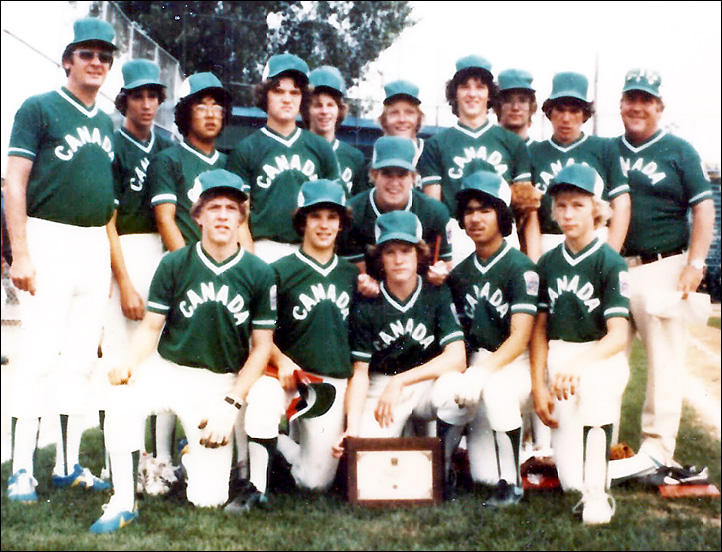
{"points": [[59, 198]]}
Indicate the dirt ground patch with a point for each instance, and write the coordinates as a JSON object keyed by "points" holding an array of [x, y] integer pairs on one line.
{"points": [[704, 367]]}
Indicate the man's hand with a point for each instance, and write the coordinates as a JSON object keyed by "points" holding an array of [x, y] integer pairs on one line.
{"points": [[689, 280], [131, 303], [217, 426], [437, 273], [471, 384], [565, 383], [524, 199], [22, 273], [121, 375], [367, 286], [544, 406], [384, 412]]}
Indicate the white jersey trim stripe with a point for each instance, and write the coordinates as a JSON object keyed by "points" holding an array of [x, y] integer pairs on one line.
{"points": [[146, 149], [644, 146], [264, 323], [314, 265], [619, 190], [80, 107], [218, 270], [484, 269], [700, 196], [473, 133], [21, 150], [523, 176], [574, 262], [164, 198], [362, 355], [430, 180], [616, 311], [158, 306], [210, 160], [523, 307], [453, 335], [570, 147], [393, 301], [334, 146], [288, 142]]}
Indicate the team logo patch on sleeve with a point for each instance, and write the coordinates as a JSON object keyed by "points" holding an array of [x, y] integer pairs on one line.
{"points": [[624, 284], [532, 282]]}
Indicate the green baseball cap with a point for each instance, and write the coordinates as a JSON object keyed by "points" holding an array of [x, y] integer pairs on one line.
{"points": [[91, 29], [321, 191], [487, 183], [569, 85], [645, 80], [515, 79], [327, 76], [474, 62], [401, 88], [140, 72], [394, 151], [580, 176], [221, 179], [202, 83], [285, 63], [398, 225]]}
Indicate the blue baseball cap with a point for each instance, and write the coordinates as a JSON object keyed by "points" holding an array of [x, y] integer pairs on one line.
{"points": [[91, 29], [394, 151], [398, 225], [569, 85], [140, 72], [487, 183], [474, 62], [580, 176], [202, 83], [321, 192], [221, 179], [401, 89], [645, 80], [515, 79], [285, 63], [327, 76]]}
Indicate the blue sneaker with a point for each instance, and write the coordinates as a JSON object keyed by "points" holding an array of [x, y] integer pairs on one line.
{"points": [[112, 519], [21, 487], [81, 477]]}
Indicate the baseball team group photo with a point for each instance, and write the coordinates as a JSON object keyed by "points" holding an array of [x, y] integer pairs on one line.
{"points": [[243, 309]]}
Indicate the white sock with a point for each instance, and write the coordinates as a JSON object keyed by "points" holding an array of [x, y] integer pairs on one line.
{"points": [[595, 461], [258, 455], [164, 429], [507, 461], [123, 480], [25, 442], [290, 449]]}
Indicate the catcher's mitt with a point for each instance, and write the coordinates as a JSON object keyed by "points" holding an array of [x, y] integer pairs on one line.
{"points": [[524, 199], [620, 451]]}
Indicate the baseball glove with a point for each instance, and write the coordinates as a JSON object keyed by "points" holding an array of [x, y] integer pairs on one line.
{"points": [[524, 199], [620, 451]]}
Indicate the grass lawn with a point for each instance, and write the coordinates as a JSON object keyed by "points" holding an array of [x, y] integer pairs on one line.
{"points": [[316, 521]]}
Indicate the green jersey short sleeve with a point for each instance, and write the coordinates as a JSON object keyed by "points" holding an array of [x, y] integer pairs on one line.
{"points": [[71, 147]]}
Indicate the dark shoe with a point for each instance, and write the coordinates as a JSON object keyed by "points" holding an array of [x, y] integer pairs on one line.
{"points": [[248, 498], [504, 495]]}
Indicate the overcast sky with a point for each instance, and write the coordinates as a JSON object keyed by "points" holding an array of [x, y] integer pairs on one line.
{"points": [[681, 40]]}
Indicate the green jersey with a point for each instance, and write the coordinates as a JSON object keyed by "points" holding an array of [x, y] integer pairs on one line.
{"points": [[394, 336], [666, 179], [275, 168], [211, 308], [459, 151], [130, 166], [580, 292], [548, 158], [172, 179], [487, 293], [71, 148], [314, 302], [351, 168], [432, 214]]}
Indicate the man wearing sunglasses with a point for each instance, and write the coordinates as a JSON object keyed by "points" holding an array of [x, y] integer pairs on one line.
{"points": [[59, 195]]}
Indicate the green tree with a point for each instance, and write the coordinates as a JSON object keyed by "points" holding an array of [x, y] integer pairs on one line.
{"points": [[235, 39]]}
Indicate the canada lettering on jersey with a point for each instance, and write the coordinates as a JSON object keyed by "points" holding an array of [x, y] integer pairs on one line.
{"points": [[650, 169], [83, 137], [320, 293], [494, 297], [585, 293], [307, 167], [347, 177], [417, 332], [555, 167], [136, 182], [471, 153], [208, 293]]}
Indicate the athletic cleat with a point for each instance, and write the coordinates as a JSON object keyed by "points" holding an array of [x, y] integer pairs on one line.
{"points": [[112, 519], [597, 508], [248, 498], [689, 475], [504, 495], [81, 477], [158, 477], [21, 487]]}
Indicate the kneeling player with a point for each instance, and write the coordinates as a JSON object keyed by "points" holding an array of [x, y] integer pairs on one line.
{"points": [[191, 353], [579, 368]]}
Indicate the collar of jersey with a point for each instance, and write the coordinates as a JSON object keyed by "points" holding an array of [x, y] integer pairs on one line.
{"points": [[146, 148], [288, 142], [67, 95], [394, 302], [378, 212], [565, 149], [590, 249], [656, 138], [474, 133], [215, 267], [323, 270], [202, 156], [484, 267]]}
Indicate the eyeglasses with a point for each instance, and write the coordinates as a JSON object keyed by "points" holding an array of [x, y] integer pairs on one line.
{"points": [[88, 55], [203, 110]]}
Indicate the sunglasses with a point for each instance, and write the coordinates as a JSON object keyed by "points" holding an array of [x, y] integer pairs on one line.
{"points": [[88, 55]]}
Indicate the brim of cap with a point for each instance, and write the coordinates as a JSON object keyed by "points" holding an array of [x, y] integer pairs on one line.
{"points": [[142, 82], [642, 88], [553, 188], [331, 204], [517, 87], [402, 96], [328, 89], [488, 74], [398, 236], [227, 189], [568, 94], [105, 42], [303, 75], [462, 194], [399, 163], [210, 90]]}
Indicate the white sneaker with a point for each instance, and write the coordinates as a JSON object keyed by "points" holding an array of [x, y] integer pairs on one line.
{"points": [[597, 508], [21, 487]]}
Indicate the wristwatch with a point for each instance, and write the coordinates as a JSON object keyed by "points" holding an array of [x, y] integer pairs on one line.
{"points": [[698, 264]]}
